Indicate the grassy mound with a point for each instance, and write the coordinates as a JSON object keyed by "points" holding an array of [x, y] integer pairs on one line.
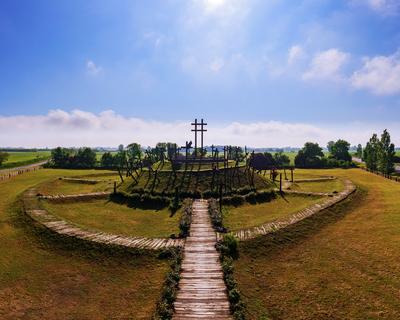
{"points": [[191, 181]]}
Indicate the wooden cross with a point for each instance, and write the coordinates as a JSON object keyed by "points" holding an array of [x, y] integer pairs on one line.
{"points": [[196, 130]]}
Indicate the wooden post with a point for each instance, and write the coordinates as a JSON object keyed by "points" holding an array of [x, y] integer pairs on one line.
{"points": [[115, 187], [280, 182], [291, 172], [220, 197]]}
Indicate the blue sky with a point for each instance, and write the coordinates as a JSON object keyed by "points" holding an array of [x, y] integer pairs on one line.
{"points": [[263, 73]]}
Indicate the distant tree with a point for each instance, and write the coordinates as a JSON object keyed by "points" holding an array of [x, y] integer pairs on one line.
{"points": [[85, 158], [386, 154], [3, 157], [359, 152], [310, 156], [107, 160], [281, 159], [171, 149], [330, 146], [261, 161], [60, 157], [339, 150], [120, 162], [371, 153]]}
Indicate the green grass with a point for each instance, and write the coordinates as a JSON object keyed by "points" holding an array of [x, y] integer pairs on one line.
{"points": [[107, 216], [42, 279], [58, 186], [328, 186], [252, 215], [342, 264], [22, 158]]}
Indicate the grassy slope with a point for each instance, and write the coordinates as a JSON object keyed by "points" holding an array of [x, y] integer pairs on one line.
{"points": [[57, 186], [111, 217], [340, 265], [40, 280], [199, 181], [249, 215], [319, 186]]}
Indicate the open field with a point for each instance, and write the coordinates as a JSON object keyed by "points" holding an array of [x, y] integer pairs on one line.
{"points": [[252, 215], [341, 264], [328, 186], [41, 278], [107, 216], [22, 158]]}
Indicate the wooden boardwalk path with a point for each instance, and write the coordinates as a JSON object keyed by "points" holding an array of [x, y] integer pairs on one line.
{"points": [[202, 293]]}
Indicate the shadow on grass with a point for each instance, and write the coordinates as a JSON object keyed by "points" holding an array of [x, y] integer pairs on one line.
{"points": [[275, 242]]}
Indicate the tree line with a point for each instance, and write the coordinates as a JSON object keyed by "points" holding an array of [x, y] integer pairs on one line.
{"points": [[379, 154], [312, 155]]}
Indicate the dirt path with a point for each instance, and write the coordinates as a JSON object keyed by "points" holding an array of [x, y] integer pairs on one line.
{"points": [[202, 292]]}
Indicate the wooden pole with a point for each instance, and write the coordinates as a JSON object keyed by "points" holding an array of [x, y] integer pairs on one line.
{"points": [[280, 182]]}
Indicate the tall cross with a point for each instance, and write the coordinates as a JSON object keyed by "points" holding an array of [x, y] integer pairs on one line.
{"points": [[196, 130]]}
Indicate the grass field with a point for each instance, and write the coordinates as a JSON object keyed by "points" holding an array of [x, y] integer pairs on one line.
{"points": [[318, 186], [58, 186], [107, 216], [22, 158], [252, 215], [343, 264], [43, 279]]}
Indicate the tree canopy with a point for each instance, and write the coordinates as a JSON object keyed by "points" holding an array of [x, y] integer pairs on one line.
{"points": [[339, 150], [3, 157], [310, 156]]}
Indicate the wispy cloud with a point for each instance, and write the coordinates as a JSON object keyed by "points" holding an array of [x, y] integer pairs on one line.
{"points": [[327, 65], [81, 128], [92, 68], [295, 53], [384, 7], [380, 74]]}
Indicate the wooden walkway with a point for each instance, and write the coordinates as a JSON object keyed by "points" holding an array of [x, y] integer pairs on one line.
{"points": [[202, 293]]}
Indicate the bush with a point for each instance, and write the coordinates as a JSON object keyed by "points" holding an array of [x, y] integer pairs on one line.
{"points": [[216, 216], [165, 308], [186, 219], [229, 246], [229, 251]]}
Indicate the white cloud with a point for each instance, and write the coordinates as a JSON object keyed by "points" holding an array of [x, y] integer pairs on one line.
{"points": [[92, 69], [294, 54], [380, 74], [81, 128], [327, 65], [382, 7]]}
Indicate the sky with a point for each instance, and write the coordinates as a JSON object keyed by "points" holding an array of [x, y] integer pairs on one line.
{"points": [[261, 73]]}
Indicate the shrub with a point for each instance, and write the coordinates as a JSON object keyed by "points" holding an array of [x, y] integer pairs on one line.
{"points": [[164, 309], [216, 216], [186, 219], [229, 246], [229, 251]]}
